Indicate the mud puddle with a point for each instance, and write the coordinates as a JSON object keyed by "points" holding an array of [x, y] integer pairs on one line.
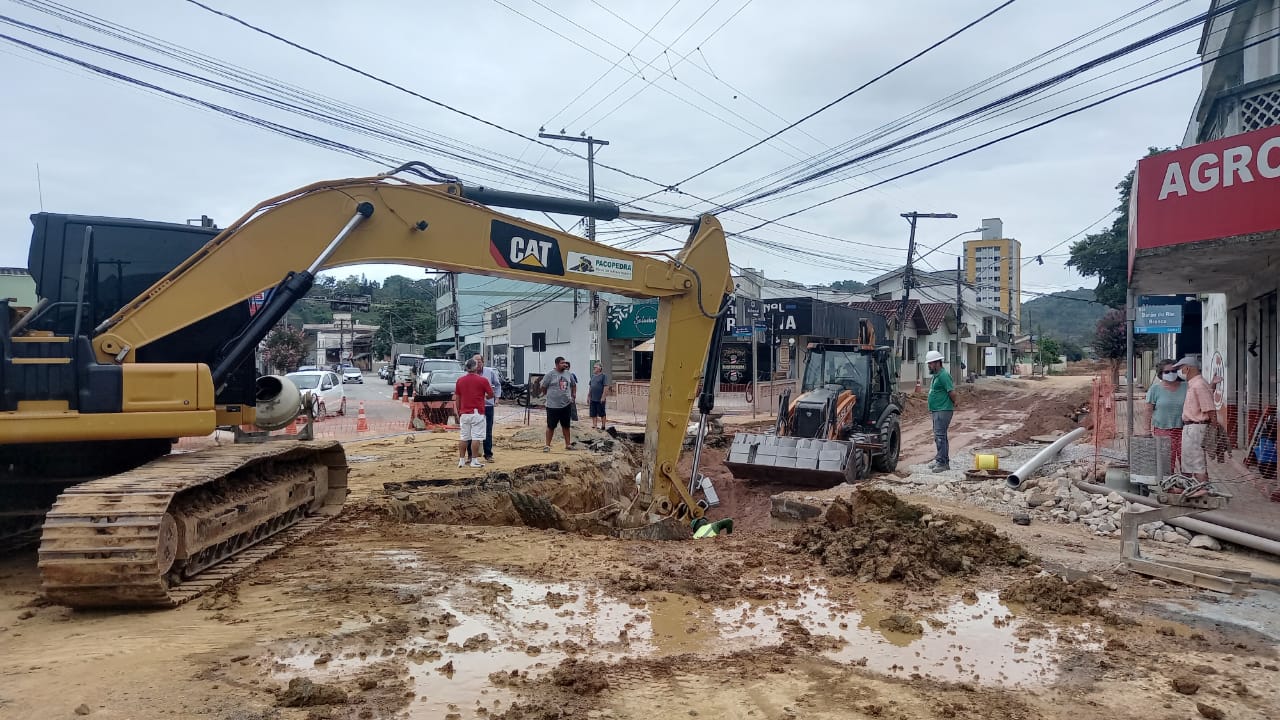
{"points": [[471, 644], [979, 639]]}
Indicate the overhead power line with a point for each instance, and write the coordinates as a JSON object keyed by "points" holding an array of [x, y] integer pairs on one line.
{"points": [[413, 93], [290, 98], [644, 36], [849, 94], [382, 159], [1012, 135], [1180, 27], [955, 99], [279, 128]]}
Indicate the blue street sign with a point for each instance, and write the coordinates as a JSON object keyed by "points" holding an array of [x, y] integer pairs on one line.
{"points": [[742, 332], [1158, 319]]}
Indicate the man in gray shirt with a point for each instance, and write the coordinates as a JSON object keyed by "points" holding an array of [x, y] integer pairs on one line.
{"points": [[597, 386], [562, 395]]}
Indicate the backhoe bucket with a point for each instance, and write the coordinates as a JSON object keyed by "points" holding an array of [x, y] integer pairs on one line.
{"points": [[806, 462], [612, 520]]}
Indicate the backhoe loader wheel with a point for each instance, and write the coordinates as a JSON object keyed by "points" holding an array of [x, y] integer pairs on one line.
{"points": [[892, 434], [856, 469]]}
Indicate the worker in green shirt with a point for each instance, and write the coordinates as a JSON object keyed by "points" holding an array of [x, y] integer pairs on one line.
{"points": [[942, 405]]}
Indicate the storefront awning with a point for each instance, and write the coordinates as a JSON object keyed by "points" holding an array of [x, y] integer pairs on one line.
{"points": [[646, 346]]}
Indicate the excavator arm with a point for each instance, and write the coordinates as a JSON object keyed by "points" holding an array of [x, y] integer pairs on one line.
{"points": [[283, 242]]}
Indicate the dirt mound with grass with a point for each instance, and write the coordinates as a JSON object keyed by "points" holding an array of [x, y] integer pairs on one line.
{"points": [[874, 535]]}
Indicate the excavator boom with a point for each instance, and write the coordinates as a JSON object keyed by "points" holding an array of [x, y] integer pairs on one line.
{"points": [[279, 246]]}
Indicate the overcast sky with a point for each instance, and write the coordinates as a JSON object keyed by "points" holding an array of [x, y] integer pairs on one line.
{"points": [[713, 77]]}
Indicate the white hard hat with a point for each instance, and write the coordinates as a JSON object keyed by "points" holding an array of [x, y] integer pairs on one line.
{"points": [[933, 356]]}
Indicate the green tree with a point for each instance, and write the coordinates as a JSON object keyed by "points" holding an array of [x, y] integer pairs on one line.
{"points": [[284, 350], [1105, 255], [849, 286], [1048, 350], [402, 321], [1110, 342]]}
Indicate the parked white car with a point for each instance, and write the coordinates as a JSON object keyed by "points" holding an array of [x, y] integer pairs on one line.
{"points": [[327, 388], [351, 373], [452, 370]]}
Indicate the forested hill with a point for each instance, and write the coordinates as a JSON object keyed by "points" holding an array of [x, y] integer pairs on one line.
{"points": [[1062, 316]]}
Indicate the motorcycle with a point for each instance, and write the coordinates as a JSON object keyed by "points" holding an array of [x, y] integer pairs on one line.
{"points": [[516, 391]]}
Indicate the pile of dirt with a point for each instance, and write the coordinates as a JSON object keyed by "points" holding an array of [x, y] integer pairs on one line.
{"points": [[914, 407], [1052, 594], [305, 693], [738, 567], [874, 535], [747, 503], [1048, 416]]}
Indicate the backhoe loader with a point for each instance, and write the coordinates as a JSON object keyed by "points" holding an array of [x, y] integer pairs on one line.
{"points": [[146, 333], [843, 425]]}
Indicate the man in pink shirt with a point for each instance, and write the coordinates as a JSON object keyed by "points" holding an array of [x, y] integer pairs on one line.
{"points": [[1198, 410]]}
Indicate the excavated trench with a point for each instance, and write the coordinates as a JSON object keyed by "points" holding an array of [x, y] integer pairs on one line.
{"points": [[589, 479]]}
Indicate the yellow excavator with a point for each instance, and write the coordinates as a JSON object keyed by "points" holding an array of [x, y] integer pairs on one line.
{"points": [[146, 333]]}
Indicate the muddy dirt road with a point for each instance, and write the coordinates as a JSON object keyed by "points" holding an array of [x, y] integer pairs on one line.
{"points": [[423, 601]]}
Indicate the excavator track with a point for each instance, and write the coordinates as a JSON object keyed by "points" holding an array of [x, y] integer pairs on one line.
{"points": [[177, 527]]}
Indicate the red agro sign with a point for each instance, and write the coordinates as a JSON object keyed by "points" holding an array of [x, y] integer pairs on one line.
{"points": [[1214, 190]]}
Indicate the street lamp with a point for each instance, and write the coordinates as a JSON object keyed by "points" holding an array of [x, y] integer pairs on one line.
{"points": [[948, 242]]}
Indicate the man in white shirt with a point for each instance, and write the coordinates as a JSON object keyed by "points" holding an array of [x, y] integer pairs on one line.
{"points": [[492, 376]]}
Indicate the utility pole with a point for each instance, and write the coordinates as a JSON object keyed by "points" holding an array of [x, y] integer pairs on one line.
{"points": [[591, 144], [908, 274], [1009, 362], [959, 320], [453, 292]]}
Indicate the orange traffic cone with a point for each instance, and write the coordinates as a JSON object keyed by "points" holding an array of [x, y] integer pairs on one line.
{"points": [[919, 387], [362, 422]]}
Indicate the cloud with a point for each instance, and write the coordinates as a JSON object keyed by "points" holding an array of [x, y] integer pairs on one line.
{"points": [[106, 148]]}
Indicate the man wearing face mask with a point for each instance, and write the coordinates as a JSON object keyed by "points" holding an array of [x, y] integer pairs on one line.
{"points": [[1166, 398], [1197, 412]]}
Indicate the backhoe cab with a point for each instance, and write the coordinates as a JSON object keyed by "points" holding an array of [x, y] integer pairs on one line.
{"points": [[844, 423]]}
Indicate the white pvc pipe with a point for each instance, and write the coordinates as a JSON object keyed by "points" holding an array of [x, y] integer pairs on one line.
{"points": [[1017, 477], [1191, 524]]}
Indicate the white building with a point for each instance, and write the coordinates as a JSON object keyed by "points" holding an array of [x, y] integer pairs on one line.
{"points": [[508, 337], [986, 334]]}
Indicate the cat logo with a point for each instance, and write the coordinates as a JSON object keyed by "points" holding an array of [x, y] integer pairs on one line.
{"points": [[522, 249]]}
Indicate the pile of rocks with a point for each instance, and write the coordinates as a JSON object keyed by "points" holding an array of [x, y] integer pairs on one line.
{"points": [[1053, 497]]}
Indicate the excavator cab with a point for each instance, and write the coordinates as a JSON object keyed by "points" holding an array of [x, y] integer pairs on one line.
{"points": [[85, 269]]}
